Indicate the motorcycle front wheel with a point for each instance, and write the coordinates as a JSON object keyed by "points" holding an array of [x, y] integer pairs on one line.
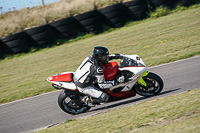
{"points": [[70, 102], [154, 85]]}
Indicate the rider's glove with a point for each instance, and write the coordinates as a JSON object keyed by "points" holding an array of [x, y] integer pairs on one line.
{"points": [[118, 56]]}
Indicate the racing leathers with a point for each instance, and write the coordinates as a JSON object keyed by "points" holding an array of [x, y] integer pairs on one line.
{"points": [[91, 71]]}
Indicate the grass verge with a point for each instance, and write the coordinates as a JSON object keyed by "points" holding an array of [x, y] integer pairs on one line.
{"points": [[157, 41], [177, 113], [26, 18], [159, 12], [16, 21]]}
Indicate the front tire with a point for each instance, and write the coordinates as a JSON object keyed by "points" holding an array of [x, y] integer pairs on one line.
{"points": [[154, 85], [70, 102]]}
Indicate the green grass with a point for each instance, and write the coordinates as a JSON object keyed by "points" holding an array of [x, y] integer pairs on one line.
{"points": [[157, 41], [174, 114], [16, 21], [159, 12]]}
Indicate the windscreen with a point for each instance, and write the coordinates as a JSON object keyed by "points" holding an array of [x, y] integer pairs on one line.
{"points": [[129, 62]]}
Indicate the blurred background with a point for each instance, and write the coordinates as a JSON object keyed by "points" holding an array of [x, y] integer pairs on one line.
{"points": [[12, 5]]}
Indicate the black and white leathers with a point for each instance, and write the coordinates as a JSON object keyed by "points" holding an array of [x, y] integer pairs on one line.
{"points": [[89, 71]]}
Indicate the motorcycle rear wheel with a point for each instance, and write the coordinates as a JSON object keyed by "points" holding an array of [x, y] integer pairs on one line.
{"points": [[70, 102], [154, 85]]}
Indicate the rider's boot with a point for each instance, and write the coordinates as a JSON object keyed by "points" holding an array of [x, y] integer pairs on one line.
{"points": [[93, 101], [88, 100]]}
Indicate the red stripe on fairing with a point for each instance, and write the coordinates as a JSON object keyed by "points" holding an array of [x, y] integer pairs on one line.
{"points": [[61, 78]]}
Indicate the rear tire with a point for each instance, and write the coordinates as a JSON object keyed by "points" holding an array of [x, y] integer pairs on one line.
{"points": [[154, 85], [70, 102]]}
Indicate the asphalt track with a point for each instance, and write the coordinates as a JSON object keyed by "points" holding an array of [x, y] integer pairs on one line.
{"points": [[42, 111]]}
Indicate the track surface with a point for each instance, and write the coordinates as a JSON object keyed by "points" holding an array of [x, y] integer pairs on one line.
{"points": [[41, 111]]}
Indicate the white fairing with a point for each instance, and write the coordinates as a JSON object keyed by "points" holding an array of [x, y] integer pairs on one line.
{"points": [[137, 70], [67, 85]]}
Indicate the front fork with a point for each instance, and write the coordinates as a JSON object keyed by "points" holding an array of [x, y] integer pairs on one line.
{"points": [[141, 80]]}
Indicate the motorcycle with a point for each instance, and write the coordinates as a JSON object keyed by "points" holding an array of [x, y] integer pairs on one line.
{"points": [[131, 75]]}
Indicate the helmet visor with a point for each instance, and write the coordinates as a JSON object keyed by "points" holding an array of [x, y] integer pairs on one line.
{"points": [[104, 58]]}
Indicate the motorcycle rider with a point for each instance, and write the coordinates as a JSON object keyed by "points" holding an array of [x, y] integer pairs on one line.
{"points": [[91, 70]]}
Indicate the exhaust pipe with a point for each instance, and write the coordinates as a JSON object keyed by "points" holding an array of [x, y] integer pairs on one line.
{"points": [[57, 86]]}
